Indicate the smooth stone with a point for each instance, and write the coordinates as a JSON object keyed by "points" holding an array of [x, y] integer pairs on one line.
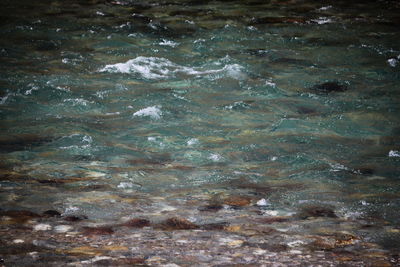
{"points": [[176, 223], [63, 228], [137, 223], [51, 213], [42, 227], [316, 211], [329, 87], [101, 230], [237, 201]]}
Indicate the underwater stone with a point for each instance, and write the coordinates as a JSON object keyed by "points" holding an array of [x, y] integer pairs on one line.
{"points": [[329, 87], [75, 218], [316, 211], [51, 213], [101, 230], [237, 201], [42, 227], [176, 223], [211, 207], [137, 223]]}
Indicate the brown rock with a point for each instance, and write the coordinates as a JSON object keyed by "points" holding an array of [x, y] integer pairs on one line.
{"points": [[276, 219], [75, 218], [316, 211], [211, 207], [19, 216], [215, 226], [237, 201], [101, 230], [137, 223], [51, 213], [177, 224]]}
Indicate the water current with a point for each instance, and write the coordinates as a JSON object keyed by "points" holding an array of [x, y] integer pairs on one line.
{"points": [[214, 111]]}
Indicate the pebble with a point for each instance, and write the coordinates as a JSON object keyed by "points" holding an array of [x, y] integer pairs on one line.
{"points": [[62, 228], [101, 230], [18, 241], [42, 227], [176, 223], [262, 202]]}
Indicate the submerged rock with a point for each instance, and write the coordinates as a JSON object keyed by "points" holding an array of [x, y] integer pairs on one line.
{"points": [[176, 223], [137, 223], [211, 207], [100, 230], [75, 218], [237, 201], [329, 87], [51, 213], [19, 216], [316, 211]]}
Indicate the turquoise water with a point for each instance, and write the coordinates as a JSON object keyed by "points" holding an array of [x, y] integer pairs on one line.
{"points": [[114, 107]]}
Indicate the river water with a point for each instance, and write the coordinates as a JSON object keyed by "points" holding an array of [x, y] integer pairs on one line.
{"points": [[212, 111]]}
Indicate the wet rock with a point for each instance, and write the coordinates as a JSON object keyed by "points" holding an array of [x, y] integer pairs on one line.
{"points": [[215, 226], [51, 213], [211, 207], [62, 228], [277, 20], [19, 216], [22, 142], [42, 227], [276, 219], [176, 223], [75, 218], [237, 201], [137, 223], [316, 211], [366, 171], [101, 230], [329, 87], [129, 261]]}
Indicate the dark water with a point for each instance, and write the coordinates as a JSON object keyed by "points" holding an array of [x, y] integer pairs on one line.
{"points": [[114, 108]]}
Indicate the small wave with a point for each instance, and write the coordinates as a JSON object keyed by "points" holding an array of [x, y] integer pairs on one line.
{"points": [[162, 68], [153, 112], [394, 153]]}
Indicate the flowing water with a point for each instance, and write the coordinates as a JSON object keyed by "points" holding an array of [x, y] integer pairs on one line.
{"points": [[213, 111]]}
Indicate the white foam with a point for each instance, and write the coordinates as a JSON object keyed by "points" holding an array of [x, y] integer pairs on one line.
{"points": [[77, 101], [162, 68], [394, 153], [192, 141], [4, 99], [262, 202], [215, 157], [169, 43], [153, 112], [392, 62], [322, 20], [325, 8]]}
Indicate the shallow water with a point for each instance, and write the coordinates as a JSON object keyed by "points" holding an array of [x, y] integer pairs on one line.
{"points": [[121, 109]]}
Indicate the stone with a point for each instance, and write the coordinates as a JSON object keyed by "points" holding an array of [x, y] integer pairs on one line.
{"points": [[237, 201], [62, 228], [51, 213], [215, 226], [316, 211], [100, 230], [75, 218], [42, 227], [211, 207], [329, 87], [176, 223], [137, 223]]}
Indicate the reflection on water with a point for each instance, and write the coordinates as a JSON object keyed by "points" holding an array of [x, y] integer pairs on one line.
{"points": [[248, 118]]}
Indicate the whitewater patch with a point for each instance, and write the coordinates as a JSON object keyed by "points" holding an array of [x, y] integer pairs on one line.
{"points": [[162, 68], [153, 112]]}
